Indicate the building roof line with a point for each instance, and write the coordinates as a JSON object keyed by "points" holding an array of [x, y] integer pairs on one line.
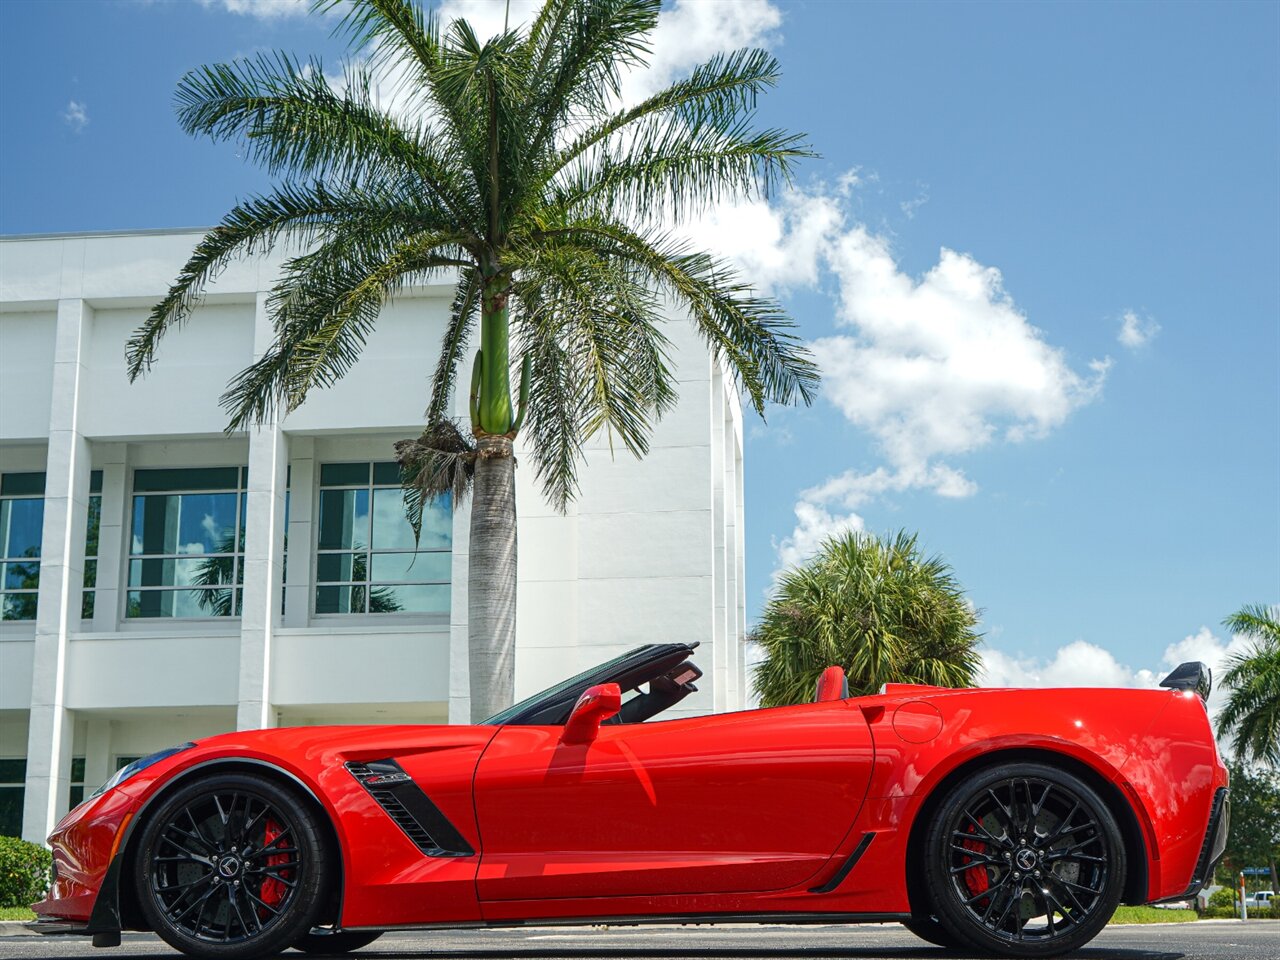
{"points": [[76, 234]]}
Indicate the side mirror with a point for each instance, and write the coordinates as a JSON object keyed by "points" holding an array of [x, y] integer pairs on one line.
{"points": [[596, 705]]}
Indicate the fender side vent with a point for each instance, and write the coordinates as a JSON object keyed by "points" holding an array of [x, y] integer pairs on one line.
{"points": [[411, 809]]}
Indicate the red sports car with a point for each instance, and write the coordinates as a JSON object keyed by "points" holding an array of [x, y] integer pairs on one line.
{"points": [[1012, 821]]}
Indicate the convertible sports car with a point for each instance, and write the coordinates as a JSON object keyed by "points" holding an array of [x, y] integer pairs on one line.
{"points": [[1012, 821]]}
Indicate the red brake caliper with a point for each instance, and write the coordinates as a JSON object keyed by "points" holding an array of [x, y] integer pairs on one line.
{"points": [[272, 889], [975, 878]]}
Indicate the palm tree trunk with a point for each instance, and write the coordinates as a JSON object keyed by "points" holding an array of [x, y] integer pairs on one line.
{"points": [[491, 585]]}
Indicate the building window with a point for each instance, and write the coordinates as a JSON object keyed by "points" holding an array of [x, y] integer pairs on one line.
{"points": [[77, 782], [186, 552], [91, 527], [13, 778], [366, 558], [21, 528], [122, 762]]}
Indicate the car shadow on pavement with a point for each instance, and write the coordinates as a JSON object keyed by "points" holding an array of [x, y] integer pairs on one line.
{"points": [[730, 953]]}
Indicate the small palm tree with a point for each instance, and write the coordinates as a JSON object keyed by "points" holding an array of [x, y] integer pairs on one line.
{"points": [[873, 606], [1251, 717], [516, 171]]}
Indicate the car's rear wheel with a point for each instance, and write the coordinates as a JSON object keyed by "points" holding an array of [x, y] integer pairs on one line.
{"points": [[231, 867], [327, 942], [1024, 859]]}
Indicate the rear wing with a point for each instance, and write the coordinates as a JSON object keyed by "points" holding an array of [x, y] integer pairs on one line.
{"points": [[1192, 675]]}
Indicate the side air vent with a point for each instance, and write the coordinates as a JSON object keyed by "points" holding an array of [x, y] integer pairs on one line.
{"points": [[411, 809]]}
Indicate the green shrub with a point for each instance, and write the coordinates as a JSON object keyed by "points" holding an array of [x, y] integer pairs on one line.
{"points": [[24, 872], [1218, 913], [1225, 897]]}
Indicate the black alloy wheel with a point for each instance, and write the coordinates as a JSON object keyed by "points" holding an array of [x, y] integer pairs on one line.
{"points": [[324, 942], [231, 867], [1024, 859]]}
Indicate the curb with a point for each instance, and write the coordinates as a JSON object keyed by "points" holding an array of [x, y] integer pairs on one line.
{"points": [[16, 928]]}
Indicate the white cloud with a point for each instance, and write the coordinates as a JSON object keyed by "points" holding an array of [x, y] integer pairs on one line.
{"points": [[932, 368], [1083, 664], [909, 207], [76, 116], [943, 365], [813, 526], [262, 9], [1136, 331], [691, 31]]}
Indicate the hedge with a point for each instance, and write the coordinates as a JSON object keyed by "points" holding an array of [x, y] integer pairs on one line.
{"points": [[24, 872]]}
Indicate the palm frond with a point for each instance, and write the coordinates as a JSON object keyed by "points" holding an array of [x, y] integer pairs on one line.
{"points": [[291, 121], [750, 334], [457, 334], [441, 462], [577, 53], [324, 308], [717, 92], [302, 212]]}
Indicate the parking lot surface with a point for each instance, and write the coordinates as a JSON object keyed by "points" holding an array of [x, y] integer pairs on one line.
{"points": [[1226, 940]]}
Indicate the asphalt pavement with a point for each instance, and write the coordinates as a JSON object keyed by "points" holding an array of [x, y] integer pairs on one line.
{"points": [[1204, 940]]}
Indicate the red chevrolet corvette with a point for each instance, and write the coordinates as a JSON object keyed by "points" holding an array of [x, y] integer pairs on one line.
{"points": [[1012, 821]]}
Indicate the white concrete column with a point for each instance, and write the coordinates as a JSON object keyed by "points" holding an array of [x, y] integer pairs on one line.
{"points": [[66, 506], [97, 753], [740, 570], [719, 629], [459, 662], [733, 626], [112, 523], [263, 554], [302, 487]]}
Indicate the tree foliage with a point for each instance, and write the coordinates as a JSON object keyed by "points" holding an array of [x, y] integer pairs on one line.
{"points": [[876, 607], [1250, 720], [1253, 839]]}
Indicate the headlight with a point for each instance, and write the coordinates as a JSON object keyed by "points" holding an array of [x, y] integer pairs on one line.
{"points": [[128, 770]]}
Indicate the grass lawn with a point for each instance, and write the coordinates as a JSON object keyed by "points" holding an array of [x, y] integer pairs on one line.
{"points": [[16, 913], [1151, 915]]}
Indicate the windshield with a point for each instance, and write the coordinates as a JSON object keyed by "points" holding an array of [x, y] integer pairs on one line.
{"points": [[633, 668]]}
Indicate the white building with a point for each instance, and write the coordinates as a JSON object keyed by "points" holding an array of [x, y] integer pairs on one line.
{"points": [[118, 501]]}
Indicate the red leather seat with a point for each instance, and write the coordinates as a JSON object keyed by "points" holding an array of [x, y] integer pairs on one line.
{"points": [[832, 685]]}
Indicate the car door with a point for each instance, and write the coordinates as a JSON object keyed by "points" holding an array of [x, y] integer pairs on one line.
{"points": [[737, 802]]}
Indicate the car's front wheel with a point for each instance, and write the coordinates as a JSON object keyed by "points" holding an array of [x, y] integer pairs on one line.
{"points": [[231, 867], [1024, 859]]}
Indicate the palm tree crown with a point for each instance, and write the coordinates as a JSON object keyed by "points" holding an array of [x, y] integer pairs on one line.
{"points": [[507, 168], [1251, 717], [875, 607], [514, 168]]}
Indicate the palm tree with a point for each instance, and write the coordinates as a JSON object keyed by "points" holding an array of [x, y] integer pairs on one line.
{"points": [[873, 606], [517, 172], [1251, 717]]}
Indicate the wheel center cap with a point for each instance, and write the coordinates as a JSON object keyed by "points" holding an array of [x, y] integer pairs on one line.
{"points": [[1025, 858], [229, 866]]}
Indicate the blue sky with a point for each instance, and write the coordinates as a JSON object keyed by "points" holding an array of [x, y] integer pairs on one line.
{"points": [[1000, 187]]}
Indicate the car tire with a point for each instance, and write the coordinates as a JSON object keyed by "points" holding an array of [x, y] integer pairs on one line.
{"points": [[231, 866], [1024, 860], [931, 931], [328, 943]]}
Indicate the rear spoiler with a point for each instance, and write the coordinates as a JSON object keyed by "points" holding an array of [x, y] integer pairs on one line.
{"points": [[1192, 675]]}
